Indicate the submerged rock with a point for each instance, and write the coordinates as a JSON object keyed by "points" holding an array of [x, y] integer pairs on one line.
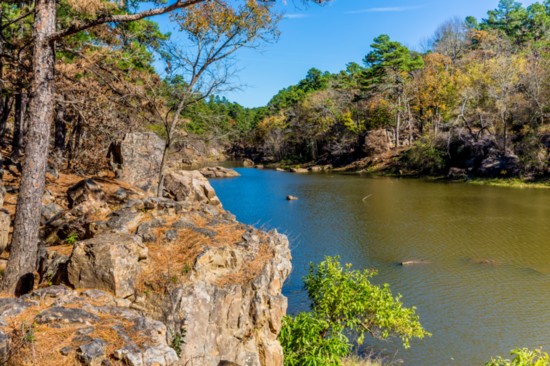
{"points": [[413, 262]]}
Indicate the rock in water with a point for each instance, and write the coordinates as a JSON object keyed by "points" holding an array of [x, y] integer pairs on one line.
{"points": [[218, 172], [137, 158], [248, 163], [291, 198]]}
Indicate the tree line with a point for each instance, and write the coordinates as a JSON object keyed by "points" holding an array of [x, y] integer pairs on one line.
{"points": [[478, 95]]}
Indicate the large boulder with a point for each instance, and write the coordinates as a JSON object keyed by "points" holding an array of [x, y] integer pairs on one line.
{"points": [[190, 186], [137, 158], [496, 165], [109, 262]]}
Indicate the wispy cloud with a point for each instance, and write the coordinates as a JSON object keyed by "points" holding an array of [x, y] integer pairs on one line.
{"points": [[389, 9], [295, 15]]}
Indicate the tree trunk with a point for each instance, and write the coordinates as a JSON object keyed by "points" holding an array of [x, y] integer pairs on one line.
{"points": [[18, 141], [19, 275], [398, 122]]}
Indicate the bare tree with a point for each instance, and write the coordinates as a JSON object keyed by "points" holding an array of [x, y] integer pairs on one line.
{"points": [[205, 66], [450, 38]]}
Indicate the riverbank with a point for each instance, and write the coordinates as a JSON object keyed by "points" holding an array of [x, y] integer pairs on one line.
{"points": [[384, 169]]}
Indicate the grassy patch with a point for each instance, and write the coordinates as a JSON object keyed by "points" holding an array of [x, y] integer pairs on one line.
{"points": [[510, 183]]}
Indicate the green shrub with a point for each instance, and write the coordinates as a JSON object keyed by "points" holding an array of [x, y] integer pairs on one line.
{"points": [[523, 357], [306, 342], [424, 157], [71, 239], [344, 302]]}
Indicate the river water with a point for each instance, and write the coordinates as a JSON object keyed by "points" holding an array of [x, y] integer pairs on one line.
{"points": [[486, 288]]}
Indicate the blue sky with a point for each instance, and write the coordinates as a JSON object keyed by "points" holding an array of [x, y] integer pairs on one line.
{"points": [[328, 37]]}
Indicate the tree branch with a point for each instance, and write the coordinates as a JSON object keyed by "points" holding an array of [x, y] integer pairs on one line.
{"points": [[75, 28]]}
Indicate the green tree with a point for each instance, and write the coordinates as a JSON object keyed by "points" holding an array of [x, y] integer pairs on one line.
{"points": [[345, 302], [523, 357], [389, 67]]}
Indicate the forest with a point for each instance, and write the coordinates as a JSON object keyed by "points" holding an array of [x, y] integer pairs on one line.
{"points": [[476, 99]]}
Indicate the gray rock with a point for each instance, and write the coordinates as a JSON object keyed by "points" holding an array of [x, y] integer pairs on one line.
{"points": [[190, 187], [63, 315], [204, 231], [4, 348], [183, 223], [86, 190], [57, 295], [93, 353], [121, 195], [291, 198], [299, 170], [107, 262], [10, 307], [496, 165], [171, 235], [137, 158], [457, 174], [123, 221], [49, 211], [144, 230]]}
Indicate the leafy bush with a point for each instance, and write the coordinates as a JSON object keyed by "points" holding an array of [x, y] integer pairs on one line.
{"points": [[424, 157], [523, 357], [304, 344], [344, 302]]}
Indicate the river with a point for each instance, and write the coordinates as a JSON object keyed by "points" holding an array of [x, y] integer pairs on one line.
{"points": [[486, 288]]}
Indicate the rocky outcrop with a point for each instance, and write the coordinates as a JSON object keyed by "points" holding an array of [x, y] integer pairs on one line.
{"points": [[218, 172], [191, 187], [107, 262], [79, 327], [171, 280], [136, 159], [232, 308]]}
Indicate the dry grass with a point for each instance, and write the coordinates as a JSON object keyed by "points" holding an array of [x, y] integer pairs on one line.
{"points": [[170, 263], [64, 249], [227, 235], [250, 270], [40, 344]]}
